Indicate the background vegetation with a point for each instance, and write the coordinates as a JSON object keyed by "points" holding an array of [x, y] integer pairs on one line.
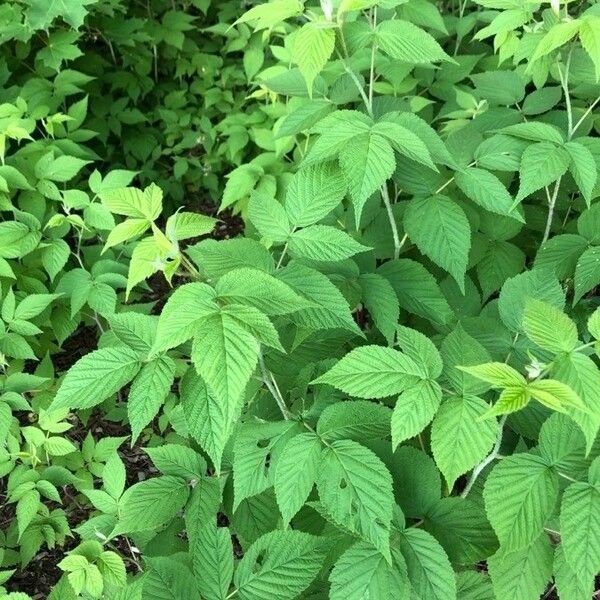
{"points": [[299, 299]]}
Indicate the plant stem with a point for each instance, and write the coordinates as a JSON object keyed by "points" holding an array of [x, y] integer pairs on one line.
{"points": [[388, 206], [564, 81], [487, 460], [551, 207], [585, 114], [272, 386]]}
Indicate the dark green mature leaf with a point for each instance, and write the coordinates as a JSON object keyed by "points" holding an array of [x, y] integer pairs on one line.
{"points": [[429, 569], [520, 494], [96, 377], [355, 489], [363, 572], [407, 42], [279, 564], [372, 372], [441, 231]]}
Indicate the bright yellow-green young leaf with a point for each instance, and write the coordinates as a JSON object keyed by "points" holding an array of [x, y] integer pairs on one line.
{"points": [[312, 48]]}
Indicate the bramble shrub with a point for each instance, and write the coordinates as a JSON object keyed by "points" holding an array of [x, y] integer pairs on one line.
{"points": [[388, 387]]}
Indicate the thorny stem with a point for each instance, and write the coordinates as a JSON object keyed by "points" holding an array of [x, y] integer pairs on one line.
{"points": [[272, 386]]}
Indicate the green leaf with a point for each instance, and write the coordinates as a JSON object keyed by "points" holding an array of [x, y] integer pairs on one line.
{"points": [[459, 349], [355, 489], [290, 561], [497, 374], [581, 374], [179, 461], [587, 273], [209, 421], [296, 473], [501, 261], [185, 225], [329, 308], [408, 43], [148, 392], [405, 142], [132, 202], [357, 420], [324, 243], [225, 355], [520, 494], [313, 46], [258, 324], [336, 130], [535, 131], [149, 504], [304, 117], [558, 36], [590, 39], [33, 305], [554, 394], [414, 410], [486, 190], [429, 569], [568, 583], [271, 13], [269, 217], [41, 13], [541, 165], [364, 572], [372, 372], [381, 301], [182, 314], [588, 226], [367, 162], [539, 284], [96, 377], [500, 87], [166, 579], [60, 169], [474, 585], [260, 290], [256, 451], [135, 330], [459, 438], [313, 193], [462, 529], [548, 327], [127, 230], [441, 231], [417, 290], [212, 559], [524, 573], [583, 168]]}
